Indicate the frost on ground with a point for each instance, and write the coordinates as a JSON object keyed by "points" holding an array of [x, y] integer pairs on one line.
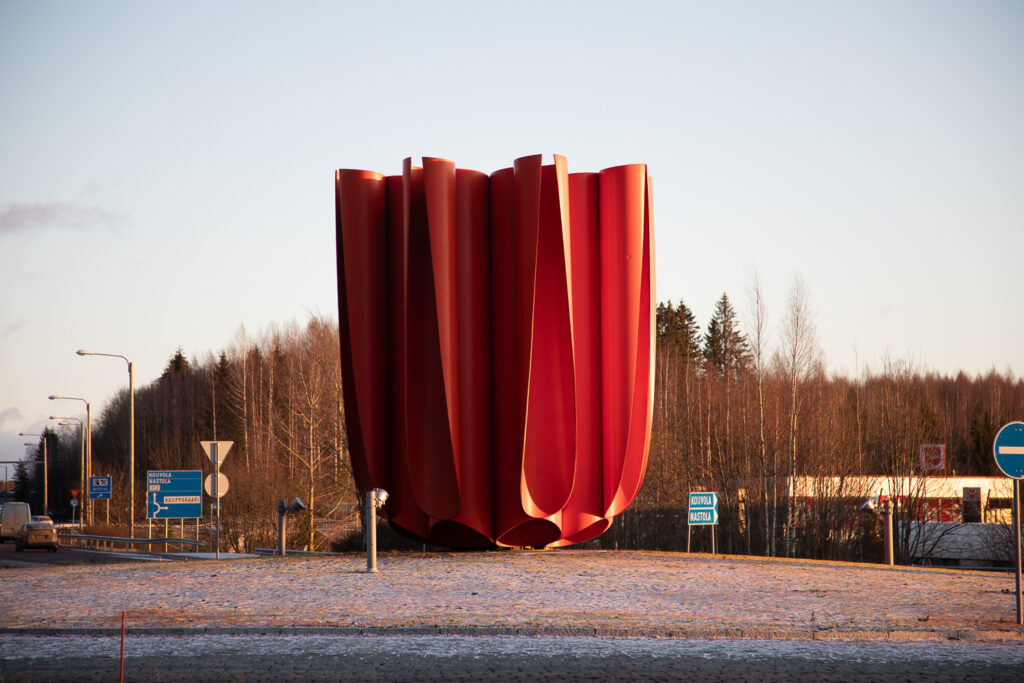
{"points": [[671, 594]]}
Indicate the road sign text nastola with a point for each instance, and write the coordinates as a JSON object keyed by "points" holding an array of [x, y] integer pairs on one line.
{"points": [[703, 508]]}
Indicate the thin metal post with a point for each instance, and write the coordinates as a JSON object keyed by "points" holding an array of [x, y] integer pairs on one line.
{"points": [[46, 479], [1016, 527], [214, 451], [131, 447], [85, 482], [90, 506], [371, 533], [887, 530], [282, 521], [689, 530]]}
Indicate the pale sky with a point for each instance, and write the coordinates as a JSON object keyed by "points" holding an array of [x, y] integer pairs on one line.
{"points": [[166, 169]]}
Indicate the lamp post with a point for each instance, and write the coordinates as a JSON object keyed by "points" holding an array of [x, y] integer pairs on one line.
{"points": [[81, 427], [46, 488], [87, 470], [131, 434]]}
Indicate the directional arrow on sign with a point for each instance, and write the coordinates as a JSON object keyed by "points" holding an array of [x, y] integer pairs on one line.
{"points": [[157, 507]]}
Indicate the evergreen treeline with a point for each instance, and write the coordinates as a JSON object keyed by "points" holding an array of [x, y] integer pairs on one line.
{"points": [[737, 411]]}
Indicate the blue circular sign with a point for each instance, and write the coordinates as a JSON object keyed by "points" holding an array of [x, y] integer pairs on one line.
{"points": [[1008, 449]]}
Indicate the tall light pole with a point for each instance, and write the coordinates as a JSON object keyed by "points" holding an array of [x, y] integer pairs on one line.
{"points": [[46, 486], [131, 434], [87, 471], [81, 427]]}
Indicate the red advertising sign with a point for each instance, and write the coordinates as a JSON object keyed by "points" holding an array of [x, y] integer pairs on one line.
{"points": [[933, 456]]}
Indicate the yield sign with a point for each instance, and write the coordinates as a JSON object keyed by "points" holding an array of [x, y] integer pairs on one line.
{"points": [[217, 450]]}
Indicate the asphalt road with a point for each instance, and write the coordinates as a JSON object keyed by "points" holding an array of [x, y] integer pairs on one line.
{"points": [[62, 556], [469, 658]]}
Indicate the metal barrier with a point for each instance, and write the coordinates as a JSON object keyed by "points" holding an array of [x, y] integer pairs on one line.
{"points": [[273, 552], [109, 541]]}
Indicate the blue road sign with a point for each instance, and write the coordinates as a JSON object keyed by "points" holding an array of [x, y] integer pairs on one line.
{"points": [[703, 508], [99, 488], [174, 494], [1008, 449]]}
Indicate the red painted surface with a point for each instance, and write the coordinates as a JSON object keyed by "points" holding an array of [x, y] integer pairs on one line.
{"points": [[497, 346]]}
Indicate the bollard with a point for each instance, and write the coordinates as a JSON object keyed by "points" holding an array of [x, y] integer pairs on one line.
{"points": [[887, 529], [371, 533], [374, 499], [282, 521]]}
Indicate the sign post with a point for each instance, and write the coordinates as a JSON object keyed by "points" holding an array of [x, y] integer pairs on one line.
{"points": [[74, 508], [1008, 449], [703, 511], [99, 489], [218, 451]]}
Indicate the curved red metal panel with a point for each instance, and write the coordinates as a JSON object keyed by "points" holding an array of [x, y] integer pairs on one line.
{"points": [[402, 510], [471, 325], [549, 452], [583, 514], [361, 215], [626, 307], [498, 364], [510, 348], [431, 465], [544, 428], [643, 393]]}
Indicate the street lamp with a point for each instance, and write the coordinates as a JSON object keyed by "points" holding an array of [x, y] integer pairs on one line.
{"points": [[46, 487], [87, 470], [81, 426], [131, 434]]}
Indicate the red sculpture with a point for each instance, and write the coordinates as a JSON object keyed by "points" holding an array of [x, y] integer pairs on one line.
{"points": [[497, 347]]}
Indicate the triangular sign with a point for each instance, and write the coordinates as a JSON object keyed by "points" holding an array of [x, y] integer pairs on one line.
{"points": [[217, 450]]}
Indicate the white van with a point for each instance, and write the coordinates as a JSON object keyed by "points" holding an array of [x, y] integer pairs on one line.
{"points": [[13, 516]]}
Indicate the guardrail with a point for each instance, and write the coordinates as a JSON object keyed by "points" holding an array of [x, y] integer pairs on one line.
{"points": [[273, 552], [109, 541]]}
